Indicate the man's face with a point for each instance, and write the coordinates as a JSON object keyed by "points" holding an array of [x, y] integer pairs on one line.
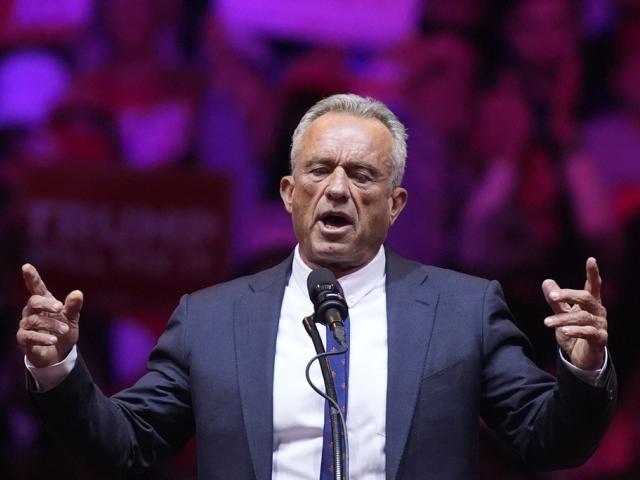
{"points": [[340, 195]]}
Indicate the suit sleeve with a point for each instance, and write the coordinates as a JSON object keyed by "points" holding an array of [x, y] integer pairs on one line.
{"points": [[551, 422], [130, 430]]}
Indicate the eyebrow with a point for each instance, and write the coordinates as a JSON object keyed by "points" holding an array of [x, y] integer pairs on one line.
{"points": [[351, 165], [318, 161]]}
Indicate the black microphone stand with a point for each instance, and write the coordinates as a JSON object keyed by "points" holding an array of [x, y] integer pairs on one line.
{"points": [[330, 389]]}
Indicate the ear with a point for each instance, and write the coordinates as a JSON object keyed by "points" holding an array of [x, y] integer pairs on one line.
{"points": [[287, 185], [397, 201]]}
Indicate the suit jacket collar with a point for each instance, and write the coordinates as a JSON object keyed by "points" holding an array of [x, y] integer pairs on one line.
{"points": [[410, 314], [257, 314], [411, 307]]}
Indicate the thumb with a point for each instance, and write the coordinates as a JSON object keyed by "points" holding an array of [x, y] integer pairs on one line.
{"points": [[73, 305]]}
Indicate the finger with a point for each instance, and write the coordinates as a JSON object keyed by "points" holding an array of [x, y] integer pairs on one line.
{"points": [[582, 298], [30, 338], [593, 285], [33, 281], [580, 317], [73, 305], [38, 303], [589, 333], [549, 286], [44, 324]]}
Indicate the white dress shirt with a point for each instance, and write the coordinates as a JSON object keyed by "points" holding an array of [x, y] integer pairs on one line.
{"points": [[298, 412]]}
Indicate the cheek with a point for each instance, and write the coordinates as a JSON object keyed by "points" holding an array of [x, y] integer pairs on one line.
{"points": [[378, 212], [303, 202], [300, 212]]}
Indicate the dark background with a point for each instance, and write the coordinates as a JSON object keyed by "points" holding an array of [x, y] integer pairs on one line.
{"points": [[128, 125]]}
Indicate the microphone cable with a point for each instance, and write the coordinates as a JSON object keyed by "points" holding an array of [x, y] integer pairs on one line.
{"points": [[319, 357]]}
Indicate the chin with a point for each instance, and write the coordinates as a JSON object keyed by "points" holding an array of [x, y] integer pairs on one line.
{"points": [[332, 254]]}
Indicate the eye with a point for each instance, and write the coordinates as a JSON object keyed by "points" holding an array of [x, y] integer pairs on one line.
{"points": [[361, 177], [319, 171]]}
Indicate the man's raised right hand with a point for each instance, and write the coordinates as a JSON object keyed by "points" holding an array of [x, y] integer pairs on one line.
{"points": [[48, 329]]}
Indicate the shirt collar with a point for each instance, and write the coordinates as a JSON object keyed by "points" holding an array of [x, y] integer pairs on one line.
{"points": [[355, 285]]}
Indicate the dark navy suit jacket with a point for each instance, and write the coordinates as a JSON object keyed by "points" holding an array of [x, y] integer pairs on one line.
{"points": [[454, 355]]}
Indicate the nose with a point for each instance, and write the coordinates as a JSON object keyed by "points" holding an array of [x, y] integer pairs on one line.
{"points": [[338, 186]]}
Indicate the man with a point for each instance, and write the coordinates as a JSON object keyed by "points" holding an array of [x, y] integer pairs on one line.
{"points": [[430, 351]]}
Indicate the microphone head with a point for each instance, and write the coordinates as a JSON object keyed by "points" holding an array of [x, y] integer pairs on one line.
{"points": [[321, 280], [326, 294]]}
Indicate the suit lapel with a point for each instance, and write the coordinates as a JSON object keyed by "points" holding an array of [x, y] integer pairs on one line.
{"points": [[411, 310], [257, 314]]}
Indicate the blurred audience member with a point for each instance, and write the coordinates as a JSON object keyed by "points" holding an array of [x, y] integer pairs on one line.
{"points": [[32, 82], [439, 89], [454, 15], [525, 201], [240, 82], [151, 100], [543, 37], [316, 74], [613, 139], [235, 131]]}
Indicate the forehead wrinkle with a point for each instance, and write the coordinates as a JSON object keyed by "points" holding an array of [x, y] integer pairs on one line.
{"points": [[342, 141], [335, 135], [336, 154], [335, 146]]}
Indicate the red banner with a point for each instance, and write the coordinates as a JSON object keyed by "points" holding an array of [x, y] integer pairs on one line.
{"points": [[128, 240]]}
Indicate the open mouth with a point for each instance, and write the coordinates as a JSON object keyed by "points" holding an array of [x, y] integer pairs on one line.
{"points": [[335, 220]]}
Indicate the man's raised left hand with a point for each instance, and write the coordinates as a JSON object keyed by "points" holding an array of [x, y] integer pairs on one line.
{"points": [[580, 319]]}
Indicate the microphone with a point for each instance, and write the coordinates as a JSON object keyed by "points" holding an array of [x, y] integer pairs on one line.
{"points": [[330, 307]]}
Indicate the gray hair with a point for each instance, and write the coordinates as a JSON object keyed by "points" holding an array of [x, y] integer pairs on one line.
{"points": [[364, 108]]}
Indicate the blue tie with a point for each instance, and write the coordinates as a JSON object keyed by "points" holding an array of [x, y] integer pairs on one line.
{"points": [[340, 370]]}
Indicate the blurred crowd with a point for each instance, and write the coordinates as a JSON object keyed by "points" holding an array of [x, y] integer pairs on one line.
{"points": [[524, 158]]}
